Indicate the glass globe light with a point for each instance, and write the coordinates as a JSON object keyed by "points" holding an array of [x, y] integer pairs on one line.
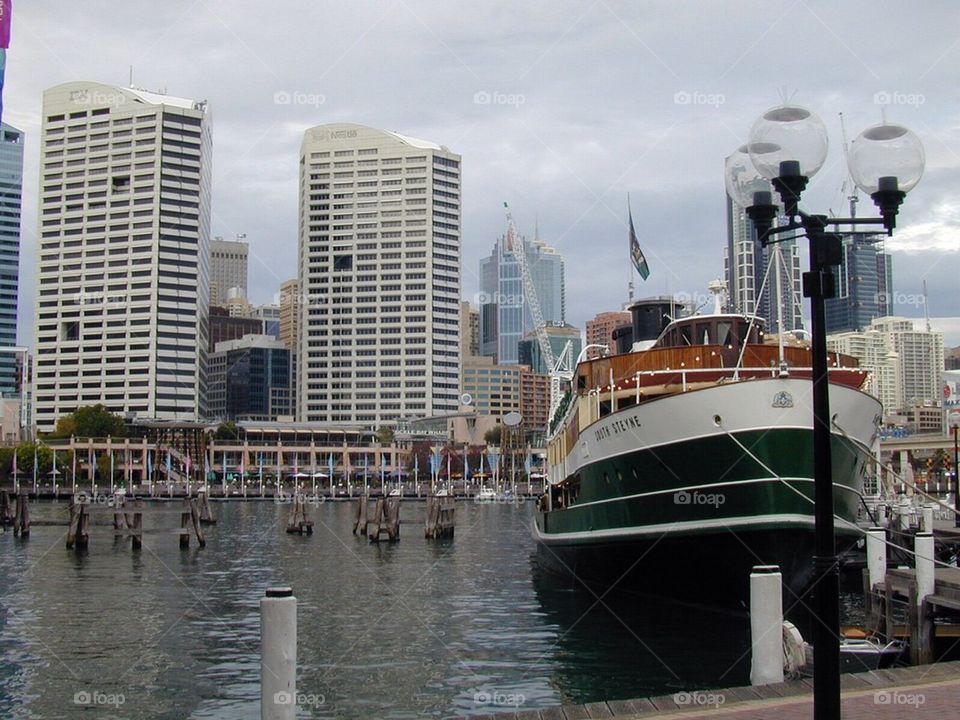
{"points": [[800, 135], [886, 150], [741, 176]]}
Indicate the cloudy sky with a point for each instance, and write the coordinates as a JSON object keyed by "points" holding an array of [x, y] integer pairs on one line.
{"points": [[560, 108]]}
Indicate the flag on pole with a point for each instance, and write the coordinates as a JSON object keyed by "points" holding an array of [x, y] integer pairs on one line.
{"points": [[466, 464], [54, 466], [528, 463], [636, 254], [34, 464], [6, 12], [14, 462]]}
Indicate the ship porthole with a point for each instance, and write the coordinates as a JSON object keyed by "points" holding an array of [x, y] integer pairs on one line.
{"points": [[717, 420]]}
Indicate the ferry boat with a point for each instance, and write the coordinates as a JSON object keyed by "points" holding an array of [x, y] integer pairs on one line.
{"points": [[682, 462]]}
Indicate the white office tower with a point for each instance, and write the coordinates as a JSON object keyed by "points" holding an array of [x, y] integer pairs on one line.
{"points": [[379, 264], [123, 266]]}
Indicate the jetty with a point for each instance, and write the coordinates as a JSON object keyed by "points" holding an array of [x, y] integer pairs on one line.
{"points": [[927, 692]]}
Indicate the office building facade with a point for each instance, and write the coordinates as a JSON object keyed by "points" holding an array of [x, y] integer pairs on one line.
{"points": [[864, 285], [228, 268], [379, 258], [252, 379], [11, 192], [123, 270], [505, 316], [746, 264]]}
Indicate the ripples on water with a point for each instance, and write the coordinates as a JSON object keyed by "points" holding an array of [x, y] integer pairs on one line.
{"points": [[414, 629]]}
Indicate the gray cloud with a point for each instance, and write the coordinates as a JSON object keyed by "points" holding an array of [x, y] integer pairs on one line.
{"points": [[587, 102]]}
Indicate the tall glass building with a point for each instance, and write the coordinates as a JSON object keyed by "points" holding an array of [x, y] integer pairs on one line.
{"points": [[745, 265], [505, 316], [11, 185], [864, 285]]}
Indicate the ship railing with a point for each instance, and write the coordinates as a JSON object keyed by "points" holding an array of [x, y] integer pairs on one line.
{"points": [[605, 397]]}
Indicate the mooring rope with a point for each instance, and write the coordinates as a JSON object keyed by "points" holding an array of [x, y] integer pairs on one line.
{"points": [[844, 521]]}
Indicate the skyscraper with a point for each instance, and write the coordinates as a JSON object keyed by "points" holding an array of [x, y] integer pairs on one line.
{"points": [[228, 268], [11, 186], [745, 265], [864, 285], [123, 269], [600, 330], [505, 316], [379, 260]]}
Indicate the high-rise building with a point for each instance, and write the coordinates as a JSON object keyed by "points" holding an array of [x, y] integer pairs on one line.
{"points": [[289, 301], [228, 268], [864, 285], [562, 338], [746, 264], [905, 364], [600, 330], [505, 316], [469, 330], [224, 326], [251, 379], [123, 271], [11, 189], [379, 258]]}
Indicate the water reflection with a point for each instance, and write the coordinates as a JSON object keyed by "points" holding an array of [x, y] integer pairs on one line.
{"points": [[413, 629]]}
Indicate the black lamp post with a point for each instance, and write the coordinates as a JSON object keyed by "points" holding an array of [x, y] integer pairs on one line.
{"points": [[787, 145]]}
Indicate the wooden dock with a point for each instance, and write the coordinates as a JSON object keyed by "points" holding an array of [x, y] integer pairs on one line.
{"points": [[928, 692], [127, 518]]}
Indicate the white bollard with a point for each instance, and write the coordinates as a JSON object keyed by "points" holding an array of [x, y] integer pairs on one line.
{"points": [[766, 625], [876, 556], [927, 525], [926, 580], [278, 655], [903, 509]]}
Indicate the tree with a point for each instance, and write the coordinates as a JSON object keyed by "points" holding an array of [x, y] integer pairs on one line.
{"points": [[93, 421], [227, 430], [493, 435], [385, 435]]}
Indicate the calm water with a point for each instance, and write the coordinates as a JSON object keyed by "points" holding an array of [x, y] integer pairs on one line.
{"points": [[414, 629]]}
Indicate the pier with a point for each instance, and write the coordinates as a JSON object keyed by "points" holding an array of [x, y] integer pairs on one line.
{"points": [[926, 692]]}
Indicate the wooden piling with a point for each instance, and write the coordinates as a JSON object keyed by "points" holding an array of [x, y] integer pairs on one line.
{"points": [[7, 514], [184, 525], [78, 536], [195, 519], [21, 522], [298, 522], [360, 522], [440, 517], [393, 518], [136, 534], [206, 514]]}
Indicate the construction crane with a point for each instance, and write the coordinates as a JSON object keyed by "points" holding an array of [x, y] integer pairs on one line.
{"points": [[559, 368]]}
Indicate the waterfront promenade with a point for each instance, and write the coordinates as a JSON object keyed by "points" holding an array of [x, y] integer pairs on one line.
{"points": [[925, 692]]}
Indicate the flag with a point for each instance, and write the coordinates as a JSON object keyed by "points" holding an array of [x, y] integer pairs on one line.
{"points": [[14, 462], [6, 12], [330, 463], [54, 473], [636, 254], [466, 463], [528, 463], [34, 464]]}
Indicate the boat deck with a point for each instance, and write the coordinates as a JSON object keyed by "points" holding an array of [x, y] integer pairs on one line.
{"points": [[924, 692]]}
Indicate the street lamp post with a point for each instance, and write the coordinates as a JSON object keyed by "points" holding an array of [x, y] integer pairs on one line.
{"points": [[955, 425], [787, 146]]}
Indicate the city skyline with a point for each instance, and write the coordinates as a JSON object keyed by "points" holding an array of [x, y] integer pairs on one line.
{"points": [[527, 142]]}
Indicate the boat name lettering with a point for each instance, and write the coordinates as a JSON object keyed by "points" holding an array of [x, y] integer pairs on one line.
{"points": [[616, 427]]}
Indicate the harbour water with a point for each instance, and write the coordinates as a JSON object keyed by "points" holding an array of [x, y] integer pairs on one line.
{"points": [[412, 629]]}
